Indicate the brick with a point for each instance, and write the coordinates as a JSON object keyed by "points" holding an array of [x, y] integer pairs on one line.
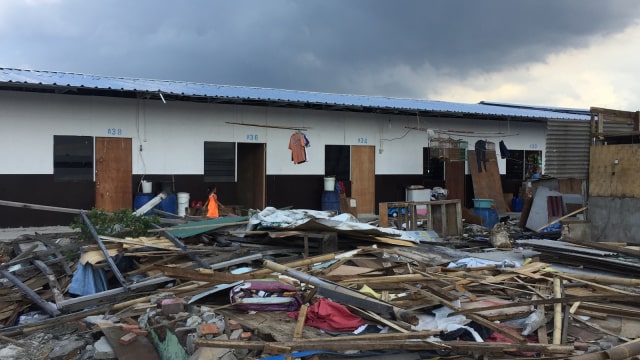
{"points": [[128, 338], [172, 306], [129, 327], [234, 325], [208, 329], [140, 332]]}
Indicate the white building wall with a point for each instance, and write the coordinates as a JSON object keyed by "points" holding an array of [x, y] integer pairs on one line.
{"points": [[171, 135]]}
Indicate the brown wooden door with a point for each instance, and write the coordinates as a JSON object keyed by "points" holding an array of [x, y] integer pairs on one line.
{"points": [[363, 179], [251, 175], [113, 174]]}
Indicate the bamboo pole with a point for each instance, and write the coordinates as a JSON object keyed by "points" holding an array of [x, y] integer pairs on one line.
{"points": [[562, 218], [557, 311]]}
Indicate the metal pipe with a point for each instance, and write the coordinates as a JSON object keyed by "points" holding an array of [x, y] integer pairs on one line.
{"points": [[182, 246], [45, 306], [96, 237]]}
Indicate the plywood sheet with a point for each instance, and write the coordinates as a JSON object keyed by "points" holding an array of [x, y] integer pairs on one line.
{"points": [[455, 179], [606, 178], [140, 348], [487, 184]]}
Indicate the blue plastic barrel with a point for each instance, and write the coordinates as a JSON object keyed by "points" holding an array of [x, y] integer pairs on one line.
{"points": [[330, 201], [489, 216], [169, 204], [140, 199], [516, 204]]}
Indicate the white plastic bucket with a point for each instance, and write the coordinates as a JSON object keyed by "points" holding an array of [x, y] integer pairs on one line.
{"points": [[330, 183], [183, 203], [146, 186]]}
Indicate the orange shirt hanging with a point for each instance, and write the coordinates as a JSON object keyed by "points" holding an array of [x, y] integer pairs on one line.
{"points": [[297, 144]]}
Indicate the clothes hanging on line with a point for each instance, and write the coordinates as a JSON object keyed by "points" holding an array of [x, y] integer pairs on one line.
{"points": [[297, 144]]}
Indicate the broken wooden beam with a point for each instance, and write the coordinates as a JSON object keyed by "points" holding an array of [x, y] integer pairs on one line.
{"points": [[346, 295], [182, 246], [45, 306], [418, 344]]}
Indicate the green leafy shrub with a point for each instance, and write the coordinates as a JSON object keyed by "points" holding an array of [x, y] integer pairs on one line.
{"points": [[120, 223]]}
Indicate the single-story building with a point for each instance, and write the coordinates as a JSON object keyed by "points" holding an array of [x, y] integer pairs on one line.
{"points": [[82, 141]]}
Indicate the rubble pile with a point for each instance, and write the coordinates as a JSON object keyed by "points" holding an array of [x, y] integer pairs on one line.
{"points": [[306, 284]]}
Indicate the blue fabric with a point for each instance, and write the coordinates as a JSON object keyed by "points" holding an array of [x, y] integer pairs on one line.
{"points": [[87, 280]]}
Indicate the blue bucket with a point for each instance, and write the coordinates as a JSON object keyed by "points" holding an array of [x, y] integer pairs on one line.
{"points": [[330, 201], [489, 216]]}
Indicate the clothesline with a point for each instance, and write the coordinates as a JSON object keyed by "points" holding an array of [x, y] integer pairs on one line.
{"points": [[473, 133], [462, 132], [271, 126]]}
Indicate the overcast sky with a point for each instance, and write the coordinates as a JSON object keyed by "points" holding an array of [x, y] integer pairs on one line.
{"points": [[566, 53]]}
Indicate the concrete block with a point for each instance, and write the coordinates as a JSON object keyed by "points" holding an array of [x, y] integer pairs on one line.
{"points": [[67, 350], [103, 350]]}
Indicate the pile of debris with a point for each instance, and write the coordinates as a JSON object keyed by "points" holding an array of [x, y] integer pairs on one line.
{"points": [[307, 284]]}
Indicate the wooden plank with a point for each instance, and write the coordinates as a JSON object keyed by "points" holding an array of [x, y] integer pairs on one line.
{"points": [[487, 184], [271, 324], [332, 345], [613, 114], [206, 275], [302, 316]]}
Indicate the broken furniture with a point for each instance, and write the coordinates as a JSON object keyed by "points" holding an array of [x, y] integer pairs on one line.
{"points": [[442, 216]]}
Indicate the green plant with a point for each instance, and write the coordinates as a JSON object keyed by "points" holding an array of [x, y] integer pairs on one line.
{"points": [[119, 223]]}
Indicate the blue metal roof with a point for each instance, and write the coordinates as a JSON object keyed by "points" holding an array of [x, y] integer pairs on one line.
{"points": [[191, 89]]}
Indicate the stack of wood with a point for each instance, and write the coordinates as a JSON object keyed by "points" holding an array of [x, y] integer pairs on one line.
{"points": [[34, 270]]}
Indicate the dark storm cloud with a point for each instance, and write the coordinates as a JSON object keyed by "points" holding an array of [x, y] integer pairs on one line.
{"points": [[324, 45]]}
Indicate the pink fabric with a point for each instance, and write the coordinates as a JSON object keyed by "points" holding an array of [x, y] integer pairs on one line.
{"points": [[328, 315]]}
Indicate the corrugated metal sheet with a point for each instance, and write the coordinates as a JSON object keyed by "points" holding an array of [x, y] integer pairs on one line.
{"points": [[613, 127], [567, 150], [179, 88]]}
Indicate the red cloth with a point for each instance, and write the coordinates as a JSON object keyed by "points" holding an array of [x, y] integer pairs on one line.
{"points": [[328, 315], [500, 338]]}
